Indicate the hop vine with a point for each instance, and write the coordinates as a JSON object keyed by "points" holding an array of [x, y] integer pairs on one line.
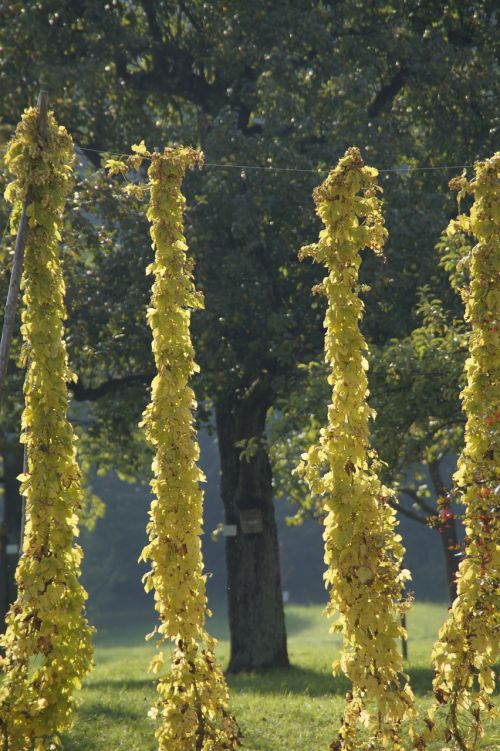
{"points": [[467, 647], [192, 707], [362, 552], [47, 642]]}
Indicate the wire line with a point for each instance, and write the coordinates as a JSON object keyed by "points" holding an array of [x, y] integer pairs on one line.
{"points": [[228, 165], [402, 170]]}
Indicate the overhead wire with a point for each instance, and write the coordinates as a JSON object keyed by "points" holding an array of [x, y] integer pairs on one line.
{"points": [[401, 169]]}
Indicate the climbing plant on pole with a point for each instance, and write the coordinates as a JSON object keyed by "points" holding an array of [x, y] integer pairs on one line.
{"points": [[468, 642], [47, 642], [193, 698], [362, 552]]}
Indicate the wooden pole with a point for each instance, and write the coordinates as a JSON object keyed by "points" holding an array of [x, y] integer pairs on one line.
{"points": [[15, 284], [404, 639], [12, 295], [17, 265], [43, 106], [43, 101]]}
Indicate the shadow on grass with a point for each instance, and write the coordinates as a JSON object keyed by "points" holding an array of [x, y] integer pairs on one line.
{"points": [[293, 680], [297, 680], [94, 711], [122, 684], [94, 714]]}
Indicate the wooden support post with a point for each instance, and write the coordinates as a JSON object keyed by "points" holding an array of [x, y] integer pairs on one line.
{"points": [[43, 103], [43, 106], [404, 639], [15, 284], [4, 597], [17, 265], [12, 295]]}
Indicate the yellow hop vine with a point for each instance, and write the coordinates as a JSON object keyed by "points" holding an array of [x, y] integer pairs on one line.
{"points": [[193, 696], [362, 552], [47, 642], [468, 642]]}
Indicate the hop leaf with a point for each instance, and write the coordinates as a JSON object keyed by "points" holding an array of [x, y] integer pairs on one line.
{"points": [[140, 148], [116, 167], [193, 696], [362, 551]]}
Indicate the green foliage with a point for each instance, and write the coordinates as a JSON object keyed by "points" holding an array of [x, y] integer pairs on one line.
{"points": [[92, 507], [468, 642], [193, 698], [414, 388], [362, 552], [47, 642]]}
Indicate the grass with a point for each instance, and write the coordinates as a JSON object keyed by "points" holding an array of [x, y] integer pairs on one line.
{"points": [[284, 710]]}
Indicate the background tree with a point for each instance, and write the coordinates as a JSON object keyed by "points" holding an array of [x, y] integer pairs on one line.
{"points": [[282, 84]]}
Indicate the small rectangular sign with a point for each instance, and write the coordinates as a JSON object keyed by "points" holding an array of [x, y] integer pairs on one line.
{"points": [[229, 530], [12, 549], [251, 521]]}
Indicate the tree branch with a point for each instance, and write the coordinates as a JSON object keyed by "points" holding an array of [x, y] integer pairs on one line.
{"points": [[173, 66], [436, 477], [408, 512], [83, 393], [195, 23], [418, 499], [388, 93]]}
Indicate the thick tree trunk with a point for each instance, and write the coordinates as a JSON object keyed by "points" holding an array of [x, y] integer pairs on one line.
{"points": [[255, 603], [12, 455]]}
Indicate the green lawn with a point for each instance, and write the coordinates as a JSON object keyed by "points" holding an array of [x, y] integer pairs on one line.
{"points": [[284, 710]]}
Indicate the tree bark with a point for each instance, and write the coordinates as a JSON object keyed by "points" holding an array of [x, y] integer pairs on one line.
{"points": [[448, 534], [255, 602], [449, 540]]}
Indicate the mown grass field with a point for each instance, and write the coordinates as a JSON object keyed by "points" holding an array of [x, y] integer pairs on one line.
{"points": [[287, 710]]}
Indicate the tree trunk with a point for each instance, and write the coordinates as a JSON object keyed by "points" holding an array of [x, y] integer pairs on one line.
{"points": [[449, 540], [12, 455], [255, 602], [448, 535]]}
